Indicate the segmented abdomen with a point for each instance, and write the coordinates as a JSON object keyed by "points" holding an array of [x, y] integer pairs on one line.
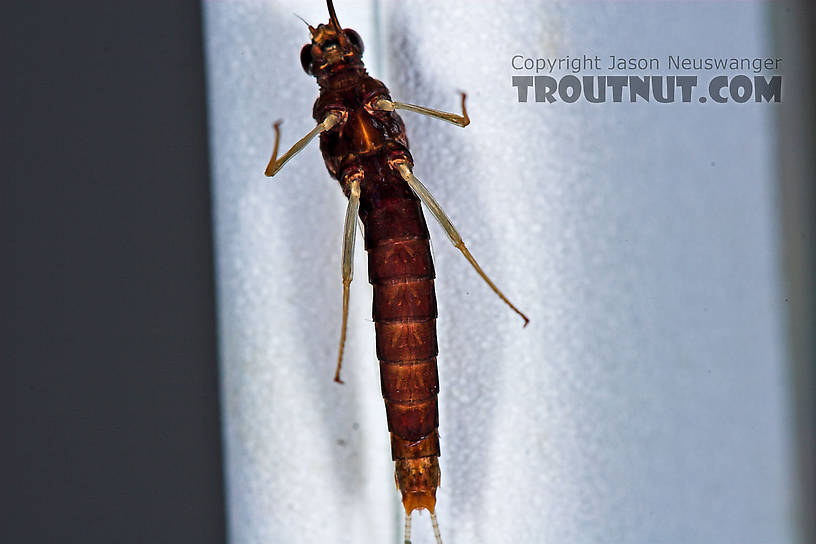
{"points": [[401, 271]]}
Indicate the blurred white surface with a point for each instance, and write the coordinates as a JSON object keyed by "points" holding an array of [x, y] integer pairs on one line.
{"points": [[645, 403]]}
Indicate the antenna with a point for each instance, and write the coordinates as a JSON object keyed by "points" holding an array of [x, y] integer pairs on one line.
{"points": [[333, 15], [311, 28]]}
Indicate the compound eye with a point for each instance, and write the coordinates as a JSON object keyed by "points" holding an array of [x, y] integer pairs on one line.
{"points": [[306, 58], [355, 39]]}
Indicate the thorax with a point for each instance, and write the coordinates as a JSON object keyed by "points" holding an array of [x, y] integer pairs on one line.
{"points": [[366, 131]]}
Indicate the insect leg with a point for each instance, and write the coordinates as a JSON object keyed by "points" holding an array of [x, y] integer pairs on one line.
{"points": [[422, 192], [459, 120], [349, 233], [275, 164]]}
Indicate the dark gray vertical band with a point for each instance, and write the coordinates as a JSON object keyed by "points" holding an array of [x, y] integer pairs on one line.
{"points": [[793, 25], [111, 316]]}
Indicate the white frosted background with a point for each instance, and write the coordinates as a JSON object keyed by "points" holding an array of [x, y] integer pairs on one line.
{"points": [[645, 403]]}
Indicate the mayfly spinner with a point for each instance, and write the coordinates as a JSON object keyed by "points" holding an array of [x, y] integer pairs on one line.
{"points": [[365, 148]]}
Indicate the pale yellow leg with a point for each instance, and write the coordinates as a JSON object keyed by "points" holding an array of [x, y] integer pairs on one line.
{"points": [[276, 164], [428, 199], [459, 120], [349, 234]]}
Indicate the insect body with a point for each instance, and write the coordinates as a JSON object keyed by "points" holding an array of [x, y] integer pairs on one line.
{"points": [[365, 148]]}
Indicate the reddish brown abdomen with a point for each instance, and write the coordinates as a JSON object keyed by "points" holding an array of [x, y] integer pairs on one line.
{"points": [[401, 271]]}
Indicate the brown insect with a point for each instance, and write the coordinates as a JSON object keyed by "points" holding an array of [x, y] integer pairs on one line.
{"points": [[365, 148]]}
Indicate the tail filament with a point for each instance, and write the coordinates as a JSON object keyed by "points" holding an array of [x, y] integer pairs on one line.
{"points": [[434, 523]]}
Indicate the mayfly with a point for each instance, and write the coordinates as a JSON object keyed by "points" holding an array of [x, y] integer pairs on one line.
{"points": [[365, 148]]}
